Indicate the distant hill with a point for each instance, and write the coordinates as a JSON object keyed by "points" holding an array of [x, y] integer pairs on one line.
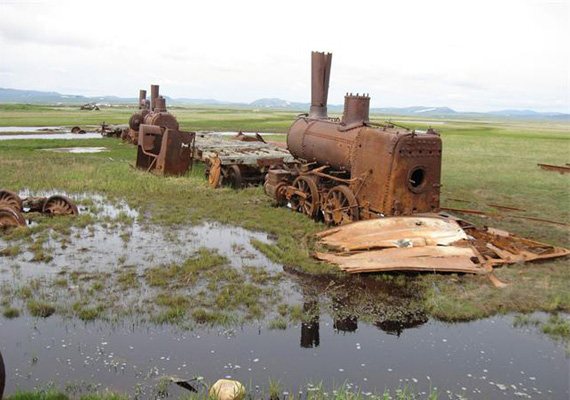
{"points": [[38, 97]]}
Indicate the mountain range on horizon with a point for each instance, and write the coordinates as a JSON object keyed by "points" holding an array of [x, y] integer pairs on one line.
{"points": [[18, 96]]}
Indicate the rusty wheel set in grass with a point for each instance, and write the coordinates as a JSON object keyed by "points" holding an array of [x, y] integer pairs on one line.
{"points": [[13, 206]]}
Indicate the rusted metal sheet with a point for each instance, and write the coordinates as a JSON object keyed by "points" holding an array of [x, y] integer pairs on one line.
{"points": [[563, 169], [393, 232], [163, 150], [356, 169], [427, 258], [427, 243]]}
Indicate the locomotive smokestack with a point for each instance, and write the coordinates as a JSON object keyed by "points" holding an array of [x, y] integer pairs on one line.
{"points": [[320, 75], [142, 99], [160, 104], [356, 110], [153, 96]]}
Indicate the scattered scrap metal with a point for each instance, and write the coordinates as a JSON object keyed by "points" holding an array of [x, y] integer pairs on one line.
{"points": [[78, 130], [239, 162], [117, 131], [12, 207], [90, 107], [563, 169], [352, 169], [436, 242]]}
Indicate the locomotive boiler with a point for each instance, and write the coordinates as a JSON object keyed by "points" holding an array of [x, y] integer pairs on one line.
{"points": [[351, 168]]}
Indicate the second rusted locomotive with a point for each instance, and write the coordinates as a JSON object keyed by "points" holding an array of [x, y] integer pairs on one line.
{"points": [[351, 168], [161, 147]]}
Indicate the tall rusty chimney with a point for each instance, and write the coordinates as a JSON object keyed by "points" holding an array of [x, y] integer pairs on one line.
{"points": [[356, 109], [320, 75], [142, 99], [160, 104], [153, 96]]}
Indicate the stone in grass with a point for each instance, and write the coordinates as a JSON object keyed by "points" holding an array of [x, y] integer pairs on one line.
{"points": [[227, 389]]}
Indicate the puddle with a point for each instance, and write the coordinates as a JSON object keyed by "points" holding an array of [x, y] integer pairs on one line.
{"points": [[37, 129], [368, 333], [76, 150], [97, 248], [482, 359], [252, 134], [88, 135]]}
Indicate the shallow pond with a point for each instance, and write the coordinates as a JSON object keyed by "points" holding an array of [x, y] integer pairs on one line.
{"points": [[77, 150], [482, 359], [366, 333], [43, 132]]}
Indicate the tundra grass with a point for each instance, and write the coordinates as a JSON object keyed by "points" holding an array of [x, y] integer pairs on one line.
{"points": [[274, 391], [484, 163]]}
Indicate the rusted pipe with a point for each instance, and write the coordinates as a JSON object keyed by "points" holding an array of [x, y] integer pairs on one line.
{"points": [[320, 76], [154, 93], [356, 110], [142, 99], [160, 104]]}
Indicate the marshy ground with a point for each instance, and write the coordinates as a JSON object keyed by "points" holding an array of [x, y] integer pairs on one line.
{"points": [[204, 282]]}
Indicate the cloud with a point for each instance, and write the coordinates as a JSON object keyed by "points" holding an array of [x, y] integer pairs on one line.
{"points": [[43, 34]]}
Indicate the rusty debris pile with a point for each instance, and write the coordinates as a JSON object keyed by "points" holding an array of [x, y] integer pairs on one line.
{"points": [[437, 242], [352, 169], [12, 207], [117, 131]]}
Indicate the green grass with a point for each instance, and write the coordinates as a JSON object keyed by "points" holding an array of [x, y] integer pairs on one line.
{"points": [[11, 312], [38, 308], [274, 392], [55, 395], [484, 162]]}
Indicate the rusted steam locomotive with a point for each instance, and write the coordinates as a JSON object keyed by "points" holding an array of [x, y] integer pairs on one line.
{"points": [[161, 146], [351, 168]]}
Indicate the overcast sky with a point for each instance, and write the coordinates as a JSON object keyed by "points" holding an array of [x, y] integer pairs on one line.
{"points": [[472, 55]]}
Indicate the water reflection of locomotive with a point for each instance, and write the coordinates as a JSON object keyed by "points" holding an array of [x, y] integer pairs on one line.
{"points": [[353, 169]]}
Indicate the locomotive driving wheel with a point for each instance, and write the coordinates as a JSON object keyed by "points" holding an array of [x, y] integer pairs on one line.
{"points": [[234, 177], [341, 206], [307, 198], [10, 199], [10, 218], [59, 205], [281, 194]]}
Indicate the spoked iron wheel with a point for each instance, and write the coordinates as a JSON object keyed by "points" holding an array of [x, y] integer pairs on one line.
{"points": [[234, 177], [10, 218], [281, 194], [307, 201], [341, 206], [59, 205], [10, 199]]}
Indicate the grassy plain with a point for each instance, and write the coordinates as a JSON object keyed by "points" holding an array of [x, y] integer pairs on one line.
{"points": [[484, 162]]}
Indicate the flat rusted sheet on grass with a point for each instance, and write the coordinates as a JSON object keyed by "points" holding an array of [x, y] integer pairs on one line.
{"points": [[427, 243]]}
